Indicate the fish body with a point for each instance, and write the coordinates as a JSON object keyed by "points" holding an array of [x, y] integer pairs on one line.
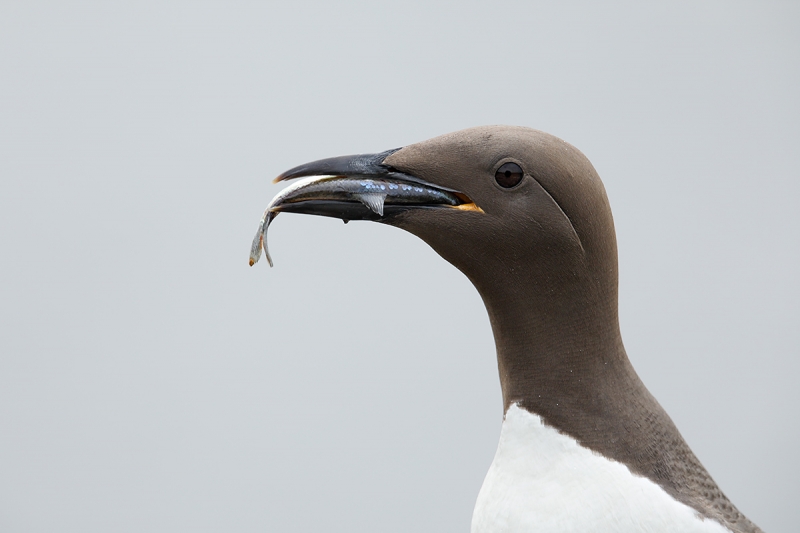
{"points": [[349, 198]]}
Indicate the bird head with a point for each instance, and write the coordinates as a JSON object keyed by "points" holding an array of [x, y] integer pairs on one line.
{"points": [[511, 207]]}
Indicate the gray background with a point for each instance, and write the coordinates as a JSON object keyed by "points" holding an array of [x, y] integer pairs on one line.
{"points": [[151, 381]]}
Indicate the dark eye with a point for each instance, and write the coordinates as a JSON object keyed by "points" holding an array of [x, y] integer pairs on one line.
{"points": [[508, 175]]}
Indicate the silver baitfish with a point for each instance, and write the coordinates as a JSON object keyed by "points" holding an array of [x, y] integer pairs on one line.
{"points": [[352, 198]]}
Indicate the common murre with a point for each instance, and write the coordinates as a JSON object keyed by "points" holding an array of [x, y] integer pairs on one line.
{"points": [[584, 446]]}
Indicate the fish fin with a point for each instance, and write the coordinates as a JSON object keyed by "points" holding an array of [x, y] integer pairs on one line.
{"points": [[372, 200]]}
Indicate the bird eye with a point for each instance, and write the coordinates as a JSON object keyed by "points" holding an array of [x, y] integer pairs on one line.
{"points": [[508, 175]]}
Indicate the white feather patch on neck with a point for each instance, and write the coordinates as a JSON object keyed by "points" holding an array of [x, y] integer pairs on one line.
{"points": [[544, 481]]}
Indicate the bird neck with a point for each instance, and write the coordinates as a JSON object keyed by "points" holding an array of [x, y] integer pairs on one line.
{"points": [[558, 346]]}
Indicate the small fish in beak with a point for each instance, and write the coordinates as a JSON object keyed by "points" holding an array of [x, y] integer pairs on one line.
{"points": [[357, 197]]}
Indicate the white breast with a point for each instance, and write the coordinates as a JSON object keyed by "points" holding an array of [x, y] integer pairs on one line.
{"points": [[544, 481]]}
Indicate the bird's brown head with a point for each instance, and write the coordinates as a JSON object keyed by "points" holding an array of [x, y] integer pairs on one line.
{"points": [[522, 213], [544, 220]]}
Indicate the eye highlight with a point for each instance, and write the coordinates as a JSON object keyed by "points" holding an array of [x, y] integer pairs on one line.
{"points": [[508, 175]]}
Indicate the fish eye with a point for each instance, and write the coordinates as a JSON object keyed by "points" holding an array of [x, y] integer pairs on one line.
{"points": [[508, 175]]}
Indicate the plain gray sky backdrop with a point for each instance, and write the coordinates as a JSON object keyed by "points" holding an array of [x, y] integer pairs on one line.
{"points": [[151, 381]]}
